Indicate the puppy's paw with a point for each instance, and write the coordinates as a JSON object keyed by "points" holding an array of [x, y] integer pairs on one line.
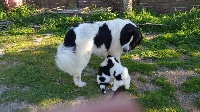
{"points": [[81, 84], [114, 88], [127, 86]]}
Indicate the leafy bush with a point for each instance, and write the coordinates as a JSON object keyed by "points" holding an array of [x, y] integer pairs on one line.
{"points": [[21, 15], [186, 21], [59, 24], [3, 14]]}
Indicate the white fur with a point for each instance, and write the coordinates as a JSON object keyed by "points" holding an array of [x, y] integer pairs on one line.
{"points": [[74, 63]]}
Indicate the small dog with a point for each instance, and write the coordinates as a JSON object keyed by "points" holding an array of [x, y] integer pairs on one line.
{"points": [[112, 72], [112, 37]]}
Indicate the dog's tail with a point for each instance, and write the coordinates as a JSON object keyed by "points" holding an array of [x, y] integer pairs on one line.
{"points": [[65, 59]]}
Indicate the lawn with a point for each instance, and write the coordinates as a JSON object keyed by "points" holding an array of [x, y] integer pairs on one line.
{"points": [[167, 59]]}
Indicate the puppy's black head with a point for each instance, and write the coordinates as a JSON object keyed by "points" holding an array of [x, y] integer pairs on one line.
{"points": [[130, 37]]}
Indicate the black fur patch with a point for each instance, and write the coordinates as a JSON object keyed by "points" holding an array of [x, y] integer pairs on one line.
{"points": [[114, 73], [127, 32], [110, 63], [102, 90], [137, 38], [109, 56], [104, 84], [105, 70], [102, 79], [103, 37], [118, 77], [69, 40]]}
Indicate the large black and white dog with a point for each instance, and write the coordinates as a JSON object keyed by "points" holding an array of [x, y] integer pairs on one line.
{"points": [[104, 38]]}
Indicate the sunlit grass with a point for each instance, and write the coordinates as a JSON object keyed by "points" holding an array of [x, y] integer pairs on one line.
{"points": [[28, 69]]}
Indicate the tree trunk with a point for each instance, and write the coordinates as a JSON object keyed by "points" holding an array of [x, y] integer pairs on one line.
{"points": [[128, 5]]}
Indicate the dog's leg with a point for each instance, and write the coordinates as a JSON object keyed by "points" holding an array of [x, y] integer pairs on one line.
{"points": [[78, 82], [127, 82], [103, 88], [127, 86]]}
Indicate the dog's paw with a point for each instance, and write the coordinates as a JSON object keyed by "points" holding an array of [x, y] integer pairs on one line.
{"points": [[114, 88], [127, 87], [81, 84]]}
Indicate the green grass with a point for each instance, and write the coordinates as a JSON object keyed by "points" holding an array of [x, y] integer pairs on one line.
{"points": [[192, 85], [197, 102], [31, 75]]}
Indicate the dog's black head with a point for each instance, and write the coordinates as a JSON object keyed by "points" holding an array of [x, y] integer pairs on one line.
{"points": [[130, 37]]}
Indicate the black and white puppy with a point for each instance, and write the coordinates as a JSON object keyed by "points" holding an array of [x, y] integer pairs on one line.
{"points": [[104, 38], [112, 72]]}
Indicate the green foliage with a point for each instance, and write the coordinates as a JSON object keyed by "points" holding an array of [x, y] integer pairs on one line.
{"points": [[3, 14], [191, 85], [182, 21], [58, 24], [100, 16], [20, 15]]}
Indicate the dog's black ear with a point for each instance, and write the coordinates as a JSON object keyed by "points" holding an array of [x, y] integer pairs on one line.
{"points": [[109, 56], [129, 31]]}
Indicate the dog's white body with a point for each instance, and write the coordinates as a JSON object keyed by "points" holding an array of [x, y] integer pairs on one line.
{"points": [[118, 75], [73, 59]]}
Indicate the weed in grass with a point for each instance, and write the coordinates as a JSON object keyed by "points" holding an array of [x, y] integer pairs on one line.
{"points": [[192, 85], [45, 103]]}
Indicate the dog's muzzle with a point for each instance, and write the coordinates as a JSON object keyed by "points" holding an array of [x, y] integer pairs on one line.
{"points": [[125, 50]]}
